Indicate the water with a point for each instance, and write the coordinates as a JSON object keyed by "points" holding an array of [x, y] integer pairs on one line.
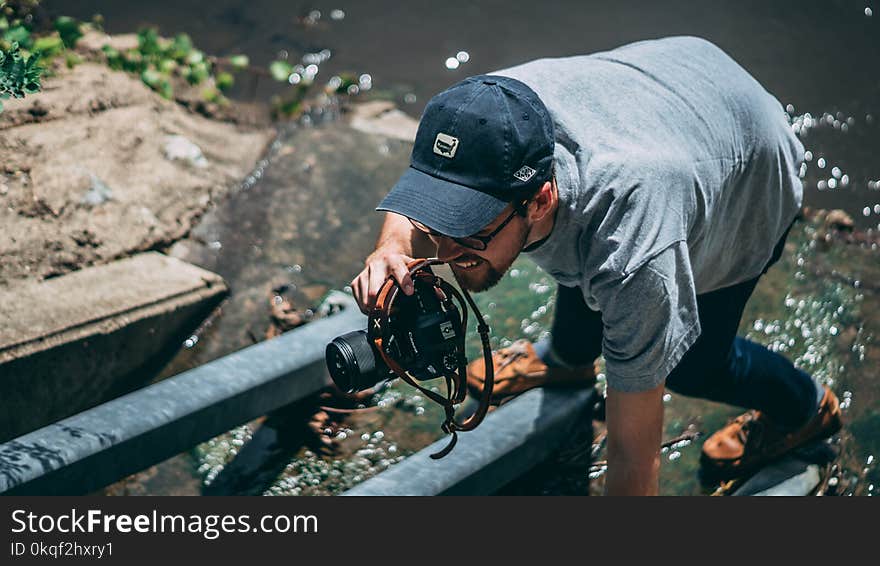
{"points": [[821, 57], [301, 219], [818, 305]]}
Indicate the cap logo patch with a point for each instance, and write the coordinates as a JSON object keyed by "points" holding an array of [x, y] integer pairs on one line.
{"points": [[445, 145], [525, 173]]}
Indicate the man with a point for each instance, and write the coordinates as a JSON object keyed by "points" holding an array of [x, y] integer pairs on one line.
{"points": [[655, 183]]}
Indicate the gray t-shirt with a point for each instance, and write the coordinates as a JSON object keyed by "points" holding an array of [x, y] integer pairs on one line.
{"points": [[677, 175]]}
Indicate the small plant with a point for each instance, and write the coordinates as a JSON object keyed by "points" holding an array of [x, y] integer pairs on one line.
{"points": [[19, 74], [280, 70], [16, 20], [291, 105], [158, 60], [239, 62], [224, 80], [68, 30]]}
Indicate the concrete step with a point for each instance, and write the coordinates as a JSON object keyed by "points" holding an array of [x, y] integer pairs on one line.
{"points": [[73, 342]]}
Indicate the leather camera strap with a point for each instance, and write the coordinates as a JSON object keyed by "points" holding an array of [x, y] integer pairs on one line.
{"points": [[455, 381]]}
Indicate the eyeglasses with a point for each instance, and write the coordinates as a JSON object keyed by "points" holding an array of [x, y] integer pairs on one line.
{"points": [[474, 242]]}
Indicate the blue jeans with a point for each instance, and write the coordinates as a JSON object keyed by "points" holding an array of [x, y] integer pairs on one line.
{"points": [[720, 366]]}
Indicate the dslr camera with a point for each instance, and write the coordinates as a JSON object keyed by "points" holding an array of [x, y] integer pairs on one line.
{"points": [[423, 335]]}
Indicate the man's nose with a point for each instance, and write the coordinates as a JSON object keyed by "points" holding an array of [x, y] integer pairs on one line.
{"points": [[447, 249]]}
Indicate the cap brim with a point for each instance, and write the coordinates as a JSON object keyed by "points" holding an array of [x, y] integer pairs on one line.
{"points": [[449, 208]]}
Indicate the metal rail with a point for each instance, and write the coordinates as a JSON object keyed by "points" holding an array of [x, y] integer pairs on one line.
{"points": [[94, 448], [111, 441], [512, 440]]}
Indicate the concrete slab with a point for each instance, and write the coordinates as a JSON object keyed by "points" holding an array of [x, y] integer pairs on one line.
{"points": [[73, 342]]}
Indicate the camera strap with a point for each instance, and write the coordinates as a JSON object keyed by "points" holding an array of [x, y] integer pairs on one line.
{"points": [[456, 382]]}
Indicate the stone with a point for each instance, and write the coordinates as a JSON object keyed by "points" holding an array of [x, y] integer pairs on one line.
{"points": [[75, 341]]}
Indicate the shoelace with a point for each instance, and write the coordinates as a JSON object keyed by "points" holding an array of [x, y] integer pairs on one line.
{"points": [[510, 354]]}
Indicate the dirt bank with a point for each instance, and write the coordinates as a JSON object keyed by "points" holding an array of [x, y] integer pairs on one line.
{"points": [[98, 166]]}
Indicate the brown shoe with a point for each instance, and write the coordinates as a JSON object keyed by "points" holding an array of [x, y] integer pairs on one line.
{"points": [[751, 440], [518, 369]]}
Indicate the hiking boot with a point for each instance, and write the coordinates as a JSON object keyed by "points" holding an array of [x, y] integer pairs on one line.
{"points": [[752, 440], [518, 369]]}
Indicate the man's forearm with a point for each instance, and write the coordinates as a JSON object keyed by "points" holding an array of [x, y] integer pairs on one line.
{"points": [[632, 477], [397, 231], [635, 428]]}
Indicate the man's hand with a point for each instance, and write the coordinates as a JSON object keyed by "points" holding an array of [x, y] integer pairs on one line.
{"points": [[386, 260], [398, 241], [635, 429]]}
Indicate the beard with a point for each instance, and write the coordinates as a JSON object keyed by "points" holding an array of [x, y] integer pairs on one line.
{"points": [[479, 279], [486, 275]]}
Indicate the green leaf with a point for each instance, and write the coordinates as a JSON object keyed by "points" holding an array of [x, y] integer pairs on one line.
{"points": [[280, 70], [239, 62], [198, 73], [211, 95], [346, 80], [69, 30], [165, 89], [19, 74], [114, 58], [20, 35], [167, 65], [48, 46], [148, 41], [224, 81], [195, 57], [180, 47], [133, 61], [72, 59], [151, 78]]}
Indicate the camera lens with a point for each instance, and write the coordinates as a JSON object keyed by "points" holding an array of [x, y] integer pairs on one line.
{"points": [[351, 362]]}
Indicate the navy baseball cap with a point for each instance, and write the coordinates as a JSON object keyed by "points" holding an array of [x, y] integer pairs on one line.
{"points": [[482, 143]]}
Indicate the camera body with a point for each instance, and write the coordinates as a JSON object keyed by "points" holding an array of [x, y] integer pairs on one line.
{"points": [[422, 334]]}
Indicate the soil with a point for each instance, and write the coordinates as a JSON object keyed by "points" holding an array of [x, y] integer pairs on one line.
{"points": [[97, 166]]}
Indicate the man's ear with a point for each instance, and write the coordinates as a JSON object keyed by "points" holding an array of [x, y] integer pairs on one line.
{"points": [[543, 202]]}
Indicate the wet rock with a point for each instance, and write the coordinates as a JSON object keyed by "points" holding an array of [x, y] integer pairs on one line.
{"points": [[37, 110], [105, 129], [836, 226], [283, 313], [98, 192], [37, 208], [93, 41], [839, 220], [313, 293], [323, 429], [180, 148], [85, 238], [382, 118]]}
